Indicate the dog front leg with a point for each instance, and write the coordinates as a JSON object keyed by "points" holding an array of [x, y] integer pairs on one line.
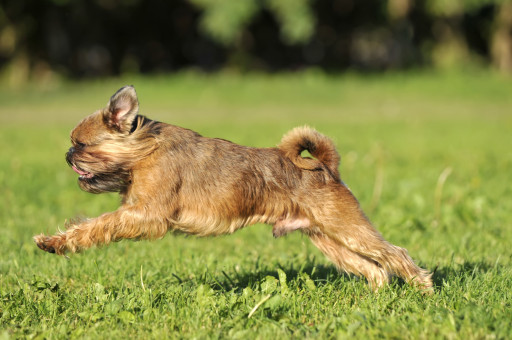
{"points": [[125, 223]]}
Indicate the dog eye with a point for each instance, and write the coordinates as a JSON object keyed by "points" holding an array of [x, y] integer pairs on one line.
{"points": [[79, 144]]}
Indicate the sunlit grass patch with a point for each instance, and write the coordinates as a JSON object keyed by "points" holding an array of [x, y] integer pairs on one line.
{"points": [[397, 135]]}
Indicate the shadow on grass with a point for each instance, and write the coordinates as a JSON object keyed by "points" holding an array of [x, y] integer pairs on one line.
{"points": [[322, 275], [233, 280]]}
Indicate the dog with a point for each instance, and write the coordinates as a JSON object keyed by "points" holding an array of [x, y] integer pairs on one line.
{"points": [[173, 179]]}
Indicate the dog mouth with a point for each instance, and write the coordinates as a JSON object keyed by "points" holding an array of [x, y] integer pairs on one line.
{"points": [[83, 174]]}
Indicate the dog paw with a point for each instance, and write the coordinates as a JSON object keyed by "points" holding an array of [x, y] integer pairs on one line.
{"points": [[50, 244]]}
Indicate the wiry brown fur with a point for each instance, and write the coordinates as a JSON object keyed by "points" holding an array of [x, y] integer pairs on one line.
{"points": [[173, 179]]}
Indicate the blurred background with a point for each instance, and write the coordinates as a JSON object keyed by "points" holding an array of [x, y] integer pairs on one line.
{"points": [[42, 40]]}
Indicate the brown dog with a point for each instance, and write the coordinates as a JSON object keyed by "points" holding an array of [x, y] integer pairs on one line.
{"points": [[172, 178]]}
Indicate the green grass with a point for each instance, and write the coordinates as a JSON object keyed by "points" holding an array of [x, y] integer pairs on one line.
{"points": [[397, 133]]}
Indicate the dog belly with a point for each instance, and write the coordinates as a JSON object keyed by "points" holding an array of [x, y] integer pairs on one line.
{"points": [[212, 225]]}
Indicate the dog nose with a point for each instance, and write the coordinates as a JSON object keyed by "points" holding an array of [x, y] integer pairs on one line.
{"points": [[69, 154]]}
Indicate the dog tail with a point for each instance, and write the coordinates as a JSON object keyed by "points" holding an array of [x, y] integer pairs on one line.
{"points": [[319, 146]]}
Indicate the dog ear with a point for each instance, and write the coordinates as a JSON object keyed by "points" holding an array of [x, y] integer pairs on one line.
{"points": [[122, 109]]}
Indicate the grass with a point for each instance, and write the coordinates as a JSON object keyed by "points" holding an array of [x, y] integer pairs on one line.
{"points": [[397, 133]]}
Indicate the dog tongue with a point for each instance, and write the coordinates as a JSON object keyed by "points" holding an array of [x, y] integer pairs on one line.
{"points": [[78, 171]]}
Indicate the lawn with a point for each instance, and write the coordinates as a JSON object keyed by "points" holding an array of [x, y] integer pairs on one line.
{"points": [[428, 155]]}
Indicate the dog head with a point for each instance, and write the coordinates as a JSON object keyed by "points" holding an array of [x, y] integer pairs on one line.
{"points": [[107, 144]]}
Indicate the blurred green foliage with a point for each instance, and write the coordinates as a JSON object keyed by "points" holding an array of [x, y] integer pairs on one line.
{"points": [[296, 18], [451, 7], [43, 39], [225, 20]]}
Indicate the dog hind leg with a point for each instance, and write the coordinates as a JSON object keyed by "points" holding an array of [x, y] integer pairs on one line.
{"points": [[364, 240], [349, 261], [341, 220]]}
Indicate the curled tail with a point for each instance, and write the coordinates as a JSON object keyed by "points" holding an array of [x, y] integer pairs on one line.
{"points": [[319, 146]]}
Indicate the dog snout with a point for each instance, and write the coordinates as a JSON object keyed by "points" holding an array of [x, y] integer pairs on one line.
{"points": [[69, 155]]}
